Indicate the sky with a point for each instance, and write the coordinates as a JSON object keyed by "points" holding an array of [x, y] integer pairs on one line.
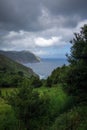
{"points": [[44, 27]]}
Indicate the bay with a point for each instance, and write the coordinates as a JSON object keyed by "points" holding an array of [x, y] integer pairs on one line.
{"points": [[45, 67]]}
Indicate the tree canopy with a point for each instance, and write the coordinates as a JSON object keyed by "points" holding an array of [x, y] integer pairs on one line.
{"points": [[76, 76]]}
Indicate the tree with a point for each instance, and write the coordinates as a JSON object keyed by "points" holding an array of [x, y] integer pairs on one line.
{"points": [[76, 76], [35, 82], [57, 76], [29, 107], [49, 82]]}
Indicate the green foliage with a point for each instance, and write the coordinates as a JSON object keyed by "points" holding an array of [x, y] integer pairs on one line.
{"points": [[13, 73], [49, 82], [8, 120], [58, 101], [57, 76], [30, 108], [9, 79], [75, 119], [0, 93], [77, 72], [39, 106], [8, 65], [35, 82]]}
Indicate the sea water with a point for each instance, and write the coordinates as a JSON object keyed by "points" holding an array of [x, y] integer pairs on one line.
{"points": [[45, 67]]}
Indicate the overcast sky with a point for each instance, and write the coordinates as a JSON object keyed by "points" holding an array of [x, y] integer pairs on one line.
{"points": [[44, 27]]}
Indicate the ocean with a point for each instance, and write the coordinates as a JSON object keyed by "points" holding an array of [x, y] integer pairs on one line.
{"points": [[45, 67]]}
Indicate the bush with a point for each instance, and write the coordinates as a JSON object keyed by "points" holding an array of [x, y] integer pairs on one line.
{"points": [[75, 119], [8, 120], [29, 107]]}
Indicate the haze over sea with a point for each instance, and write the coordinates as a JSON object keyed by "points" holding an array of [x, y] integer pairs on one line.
{"points": [[45, 67]]}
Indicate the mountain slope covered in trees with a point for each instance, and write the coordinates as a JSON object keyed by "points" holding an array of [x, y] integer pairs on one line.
{"points": [[12, 72]]}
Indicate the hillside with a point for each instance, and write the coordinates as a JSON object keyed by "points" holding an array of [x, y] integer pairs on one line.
{"points": [[21, 56], [9, 66], [12, 73]]}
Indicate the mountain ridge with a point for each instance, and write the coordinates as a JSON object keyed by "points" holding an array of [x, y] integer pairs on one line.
{"points": [[10, 65], [21, 56]]}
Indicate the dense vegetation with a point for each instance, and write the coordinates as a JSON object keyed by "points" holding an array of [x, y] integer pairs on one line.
{"points": [[13, 73], [77, 73], [57, 103]]}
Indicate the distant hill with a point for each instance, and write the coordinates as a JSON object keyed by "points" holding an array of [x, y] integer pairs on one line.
{"points": [[8, 65], [21, 56]]}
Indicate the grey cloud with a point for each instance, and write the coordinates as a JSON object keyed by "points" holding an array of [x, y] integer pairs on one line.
{"points": [[67, 7], [23, 21], [72, 10], [17, 14], [25, 14]]}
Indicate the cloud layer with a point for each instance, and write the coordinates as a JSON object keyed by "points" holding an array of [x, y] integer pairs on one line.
{"points": [[41, 26]]}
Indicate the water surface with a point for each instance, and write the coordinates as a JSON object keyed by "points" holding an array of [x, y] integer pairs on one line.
{"points": [[45, 67]]}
